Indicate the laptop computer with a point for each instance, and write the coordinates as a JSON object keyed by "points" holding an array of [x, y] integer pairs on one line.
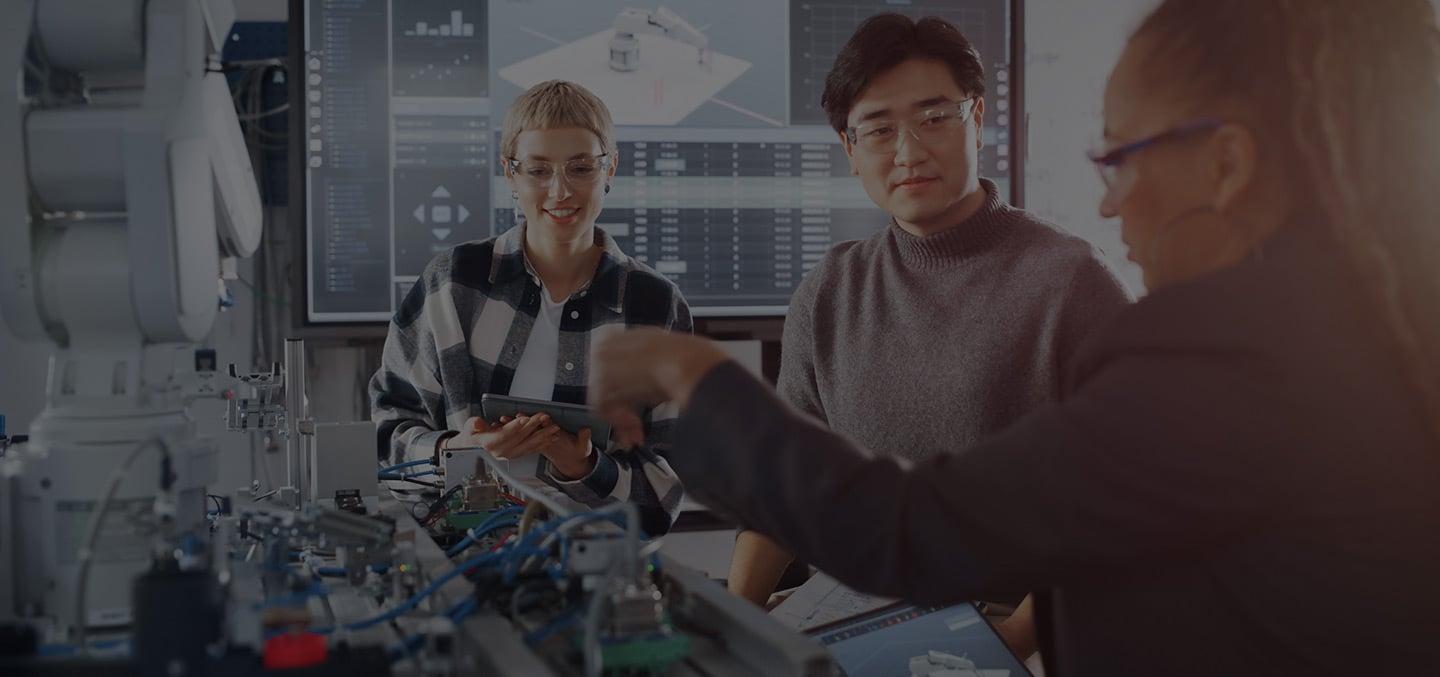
{"points": [[903, 639]]}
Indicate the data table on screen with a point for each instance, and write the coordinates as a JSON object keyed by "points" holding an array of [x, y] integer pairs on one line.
{"points": [[729, 180]]}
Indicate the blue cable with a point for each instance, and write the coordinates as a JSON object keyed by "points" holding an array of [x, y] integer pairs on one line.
{"points": [[526, 546], [55, 650], [394, 476], [460, 547], [490, 524], [407, 648], [340, 571], [561, 622], [654, 557], [409, 603], [407, 464], [510, 555], [481, 530], [506, 512], [550, 527], [523, 548], [462, 610], [484, 527], [411, 644]]}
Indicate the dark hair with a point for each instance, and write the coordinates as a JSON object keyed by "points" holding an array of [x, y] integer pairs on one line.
{"points": [[885, 41], [1345, 96]]}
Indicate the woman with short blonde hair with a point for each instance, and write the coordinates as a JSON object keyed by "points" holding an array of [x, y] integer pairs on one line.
{"points": [[515, 315]]}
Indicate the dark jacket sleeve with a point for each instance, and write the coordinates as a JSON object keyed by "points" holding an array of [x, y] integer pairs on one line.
{"points": [[1110, 476], [1093, 297]]}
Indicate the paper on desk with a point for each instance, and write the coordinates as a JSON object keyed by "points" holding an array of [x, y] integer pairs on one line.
{"points": [[822, 600]]}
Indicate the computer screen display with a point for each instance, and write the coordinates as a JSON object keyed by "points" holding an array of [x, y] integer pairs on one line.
{"points": [[910, 640], [729, 180]]}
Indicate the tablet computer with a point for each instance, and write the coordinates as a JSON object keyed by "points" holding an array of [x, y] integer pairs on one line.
{"points": [[570, 417], [904, 639]]}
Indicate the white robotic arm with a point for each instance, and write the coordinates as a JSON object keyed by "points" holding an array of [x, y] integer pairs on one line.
{"points": [[127, 184], [625, 48], [18, 307], [237, 197], [143, 166]]}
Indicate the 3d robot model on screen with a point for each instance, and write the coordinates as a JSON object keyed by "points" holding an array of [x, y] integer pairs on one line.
{"points": [[942, 664], [625, 48]]}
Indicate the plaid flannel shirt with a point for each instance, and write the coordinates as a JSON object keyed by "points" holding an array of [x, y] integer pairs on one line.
{"points": [[459, 334]]}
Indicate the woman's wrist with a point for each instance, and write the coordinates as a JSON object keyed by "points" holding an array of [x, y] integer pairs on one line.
{"points": [[440, 444], [574, 467]]}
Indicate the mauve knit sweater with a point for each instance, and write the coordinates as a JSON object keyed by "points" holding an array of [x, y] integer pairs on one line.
{"points": [[911, 346]]}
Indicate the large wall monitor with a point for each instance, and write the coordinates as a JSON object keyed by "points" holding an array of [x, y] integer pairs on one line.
{"points": [[730, 181]]}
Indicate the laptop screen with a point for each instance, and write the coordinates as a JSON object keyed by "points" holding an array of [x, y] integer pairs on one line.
{"points": [[950, 641]]}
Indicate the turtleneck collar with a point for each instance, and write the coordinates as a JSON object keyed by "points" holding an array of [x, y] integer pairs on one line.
{"points": [[975, 234]]}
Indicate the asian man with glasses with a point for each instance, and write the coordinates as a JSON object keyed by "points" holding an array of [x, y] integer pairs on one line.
{"points": [[959, 318]]}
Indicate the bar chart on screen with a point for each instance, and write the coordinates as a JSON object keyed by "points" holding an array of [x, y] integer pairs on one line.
{"points": [[440, 49], [455, 26]]}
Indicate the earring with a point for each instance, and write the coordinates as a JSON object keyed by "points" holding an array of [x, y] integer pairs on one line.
{"points": [[607, 188], [515, 199]]}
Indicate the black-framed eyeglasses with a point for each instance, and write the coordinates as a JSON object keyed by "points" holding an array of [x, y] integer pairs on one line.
{"points": [[540, 174], [1108, 162], [927, 126]]}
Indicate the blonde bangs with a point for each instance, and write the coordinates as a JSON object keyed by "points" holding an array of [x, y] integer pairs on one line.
{"points": [[557, 104]]}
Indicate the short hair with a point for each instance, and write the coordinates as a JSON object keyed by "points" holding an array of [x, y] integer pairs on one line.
{"points": [[556, 104], [887, 40]]}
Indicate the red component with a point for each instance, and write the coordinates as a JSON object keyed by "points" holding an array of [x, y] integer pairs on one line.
{"points": [[295, 650]]}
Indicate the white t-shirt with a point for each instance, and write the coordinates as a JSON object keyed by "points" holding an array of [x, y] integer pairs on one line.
{"points": [[535, 373], [535, 379]]}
